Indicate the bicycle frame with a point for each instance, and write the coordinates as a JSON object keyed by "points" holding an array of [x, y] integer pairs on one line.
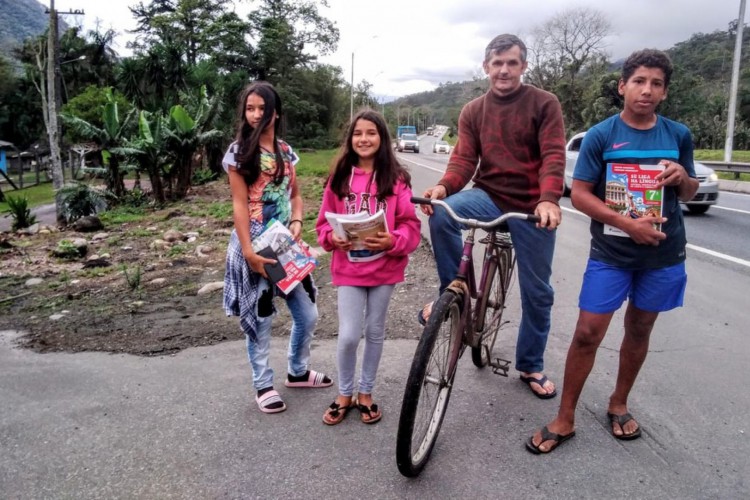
{"points": [[450, 328], [465, 281]]}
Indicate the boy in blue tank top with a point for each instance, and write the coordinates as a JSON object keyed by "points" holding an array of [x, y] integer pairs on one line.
{"points": [[648, 266]]}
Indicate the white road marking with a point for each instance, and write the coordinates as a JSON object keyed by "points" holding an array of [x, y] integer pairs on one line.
{"points": [[718, 255], [712, 253], [401, 157], [730, 209]]}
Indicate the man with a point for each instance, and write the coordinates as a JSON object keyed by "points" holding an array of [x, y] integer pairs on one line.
{"points": [[515, 132], [649, 266]]}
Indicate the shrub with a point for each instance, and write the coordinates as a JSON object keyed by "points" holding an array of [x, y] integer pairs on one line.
{"points": [[135, 198], [203, 176], [132, 276], [80, 200], [19, 210]]}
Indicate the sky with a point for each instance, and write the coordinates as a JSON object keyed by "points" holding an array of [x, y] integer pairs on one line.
{"points": [[402, 47]]}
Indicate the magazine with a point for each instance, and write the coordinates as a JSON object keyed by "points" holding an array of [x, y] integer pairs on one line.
{"points": [[357, 227], [294, 255], [631, 191]]}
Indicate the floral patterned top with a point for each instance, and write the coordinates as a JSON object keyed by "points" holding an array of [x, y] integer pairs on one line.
{"points": [[267, 200]]}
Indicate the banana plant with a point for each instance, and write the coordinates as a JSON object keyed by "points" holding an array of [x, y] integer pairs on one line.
{"points": [[186, 135], [110, 137], [148, 150]]}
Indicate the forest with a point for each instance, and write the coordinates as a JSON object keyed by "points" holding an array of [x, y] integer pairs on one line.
{"points": [[173, 99]]}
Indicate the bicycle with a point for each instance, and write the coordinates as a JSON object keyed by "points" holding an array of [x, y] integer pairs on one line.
{"points": [[463, 315]]}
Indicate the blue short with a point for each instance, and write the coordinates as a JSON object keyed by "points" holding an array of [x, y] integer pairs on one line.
{"points": [[605, 288]]}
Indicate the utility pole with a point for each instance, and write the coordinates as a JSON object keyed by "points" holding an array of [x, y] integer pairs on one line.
{"points": [[54, 86], [728, 146]]}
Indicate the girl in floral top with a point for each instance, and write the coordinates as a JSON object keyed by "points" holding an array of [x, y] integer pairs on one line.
{"points": [[262, 178]]}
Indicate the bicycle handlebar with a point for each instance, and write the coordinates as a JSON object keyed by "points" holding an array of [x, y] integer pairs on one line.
{"points": [[474, 222]]}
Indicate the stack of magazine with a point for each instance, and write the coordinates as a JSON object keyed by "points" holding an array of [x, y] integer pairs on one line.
{"points": [[294, 255], [357, 227]]}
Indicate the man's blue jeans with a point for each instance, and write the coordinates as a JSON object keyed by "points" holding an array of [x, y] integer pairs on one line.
{"points": [[534, 249]]}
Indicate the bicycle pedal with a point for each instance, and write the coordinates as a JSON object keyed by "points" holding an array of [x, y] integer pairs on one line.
{"points": [[500, 367]]}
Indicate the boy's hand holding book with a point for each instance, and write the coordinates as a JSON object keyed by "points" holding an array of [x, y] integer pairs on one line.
{"points": [[642, 230], [672, 175]]}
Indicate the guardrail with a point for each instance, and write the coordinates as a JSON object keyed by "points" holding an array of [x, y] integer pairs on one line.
{"points": [[732, 166]]}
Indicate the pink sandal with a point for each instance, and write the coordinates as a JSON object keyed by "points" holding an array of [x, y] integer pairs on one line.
{"points": [[314, 380], [267, 399]]}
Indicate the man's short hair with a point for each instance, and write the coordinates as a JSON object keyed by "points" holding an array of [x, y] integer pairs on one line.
{"points": [[650, 58], [504, 42]]}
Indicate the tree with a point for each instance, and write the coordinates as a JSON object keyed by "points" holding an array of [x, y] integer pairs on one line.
{"points": [[109, 136], [148, 149], [284, 31], [186, 135], [198, 29], [561, 50]]}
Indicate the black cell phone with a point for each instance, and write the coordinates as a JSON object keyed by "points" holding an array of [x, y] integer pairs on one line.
{"points": [[276, 271]]}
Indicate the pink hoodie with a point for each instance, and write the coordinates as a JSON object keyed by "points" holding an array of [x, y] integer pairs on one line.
{"points": [[402, 223]]}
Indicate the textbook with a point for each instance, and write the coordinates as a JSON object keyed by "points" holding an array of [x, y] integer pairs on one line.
{"points": [[631, 191], [294, 255], [357, 227]]}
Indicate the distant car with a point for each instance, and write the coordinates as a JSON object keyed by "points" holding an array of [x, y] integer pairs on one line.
{"points": [[441, 147], [408, 142], [708, 190]]}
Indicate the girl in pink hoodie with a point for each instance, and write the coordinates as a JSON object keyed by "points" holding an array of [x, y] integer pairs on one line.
{"points": [[366, 177]]}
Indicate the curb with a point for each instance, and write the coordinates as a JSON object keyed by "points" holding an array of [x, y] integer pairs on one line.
{"points": [[734, 186]]}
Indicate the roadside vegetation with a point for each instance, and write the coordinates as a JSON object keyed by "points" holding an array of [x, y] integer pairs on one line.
{"points": [[166, 113]]}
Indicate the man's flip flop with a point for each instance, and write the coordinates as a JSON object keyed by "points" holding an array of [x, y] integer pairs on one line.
{"points": [[420, 314], [547, 436], [313, 380], [541, 381], [621, 420], [267, 399]]}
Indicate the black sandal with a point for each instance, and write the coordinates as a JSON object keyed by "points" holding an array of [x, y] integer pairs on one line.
{"points": [[372, 412], [336, 412]]}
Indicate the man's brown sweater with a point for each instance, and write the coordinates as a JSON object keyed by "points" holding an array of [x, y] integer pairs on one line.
{"points": [[519, 143]]}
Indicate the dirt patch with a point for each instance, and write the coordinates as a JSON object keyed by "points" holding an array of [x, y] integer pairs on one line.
{"points": [[146, 301]]}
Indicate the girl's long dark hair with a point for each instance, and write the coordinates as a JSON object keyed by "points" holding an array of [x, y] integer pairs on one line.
{"points": [[388, 169], [248, 138]]}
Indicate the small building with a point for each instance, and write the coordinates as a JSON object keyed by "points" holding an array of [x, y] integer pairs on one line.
{"points": [[3, 158]]}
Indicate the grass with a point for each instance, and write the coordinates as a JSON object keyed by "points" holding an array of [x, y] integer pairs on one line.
{"points": [[217, 210], [41, 194], [718, 155], [316, 164], [122, 214]]}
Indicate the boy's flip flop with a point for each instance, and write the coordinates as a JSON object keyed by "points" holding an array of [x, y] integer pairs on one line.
{"points": [[621, 420], [557, 440], [267, 399], [313, 380]]}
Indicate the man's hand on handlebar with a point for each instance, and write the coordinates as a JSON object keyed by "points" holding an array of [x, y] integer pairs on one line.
{"points": [[434, 193], [549, 213]]}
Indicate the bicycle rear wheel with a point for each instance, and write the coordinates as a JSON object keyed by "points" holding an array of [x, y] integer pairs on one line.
{"points": [[429, 385], [489, 312]]}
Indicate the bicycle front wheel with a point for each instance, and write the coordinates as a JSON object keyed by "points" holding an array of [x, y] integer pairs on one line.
{"points": [[429, 385], [489, 312]]}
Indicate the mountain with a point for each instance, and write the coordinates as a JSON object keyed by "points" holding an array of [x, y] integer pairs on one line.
{"points": [[19, 20]]}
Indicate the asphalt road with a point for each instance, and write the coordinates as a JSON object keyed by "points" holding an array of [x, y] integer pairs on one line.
{"points": [[93, 425]]}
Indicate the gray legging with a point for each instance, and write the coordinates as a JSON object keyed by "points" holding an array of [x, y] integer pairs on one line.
{"points": [[355, 304]]}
